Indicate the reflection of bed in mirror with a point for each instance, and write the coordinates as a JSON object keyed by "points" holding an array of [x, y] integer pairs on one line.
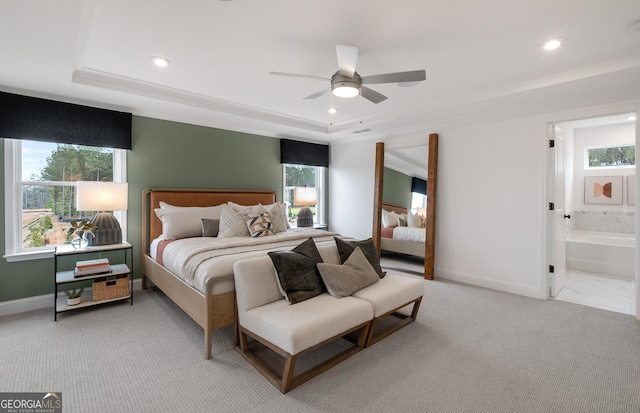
{"points": [[402, 239]]}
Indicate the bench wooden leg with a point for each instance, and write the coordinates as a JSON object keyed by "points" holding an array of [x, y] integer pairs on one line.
{"points": [[374, 337]]}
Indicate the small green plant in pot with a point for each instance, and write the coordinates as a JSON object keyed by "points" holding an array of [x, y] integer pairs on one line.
{"points": [[80, 229], [74, 296]]}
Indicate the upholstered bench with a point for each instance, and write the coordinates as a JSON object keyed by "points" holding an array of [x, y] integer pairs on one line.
{"points": [[292, 330], [281, 304]]}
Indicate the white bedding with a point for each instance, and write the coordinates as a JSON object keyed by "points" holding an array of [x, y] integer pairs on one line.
{"points": [[410, 234], [206, 263]]}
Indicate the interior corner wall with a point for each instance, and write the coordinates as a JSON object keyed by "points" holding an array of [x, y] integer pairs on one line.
{"points": [[165, 155], [396, 189]]}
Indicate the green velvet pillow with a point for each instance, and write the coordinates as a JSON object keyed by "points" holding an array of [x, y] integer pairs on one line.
{"points": [[345, 248], [298, 274], [355, 274]]}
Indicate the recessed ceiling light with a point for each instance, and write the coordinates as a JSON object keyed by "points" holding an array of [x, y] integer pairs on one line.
{"points": [[333, 110], [632, 117], [160, 61], [552, 44]]}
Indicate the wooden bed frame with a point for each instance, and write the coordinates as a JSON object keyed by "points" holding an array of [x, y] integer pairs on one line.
{"points": [[401, 246], [209, 311]]}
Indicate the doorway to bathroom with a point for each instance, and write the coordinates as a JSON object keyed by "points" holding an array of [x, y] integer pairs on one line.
{"points": [[592, 225]]}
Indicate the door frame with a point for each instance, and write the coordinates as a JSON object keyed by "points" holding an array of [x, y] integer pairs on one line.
{"points": [[635, 309]]}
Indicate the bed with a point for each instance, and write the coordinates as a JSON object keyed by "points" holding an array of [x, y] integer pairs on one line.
{"points": [[196, 272], [399, 238]]}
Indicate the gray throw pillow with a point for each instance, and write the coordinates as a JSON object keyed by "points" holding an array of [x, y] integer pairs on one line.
{"points": [[297, 271], [210, 227], [344, 280], [345, 248]]}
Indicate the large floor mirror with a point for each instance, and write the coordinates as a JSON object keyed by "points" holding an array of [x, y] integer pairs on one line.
{"points": [[401, 224]]}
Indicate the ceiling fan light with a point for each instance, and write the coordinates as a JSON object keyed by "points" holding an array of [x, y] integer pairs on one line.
{"points": [[346, 91]]}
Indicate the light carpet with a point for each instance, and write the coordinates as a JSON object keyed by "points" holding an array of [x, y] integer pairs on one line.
{"points": [[471, 350]]}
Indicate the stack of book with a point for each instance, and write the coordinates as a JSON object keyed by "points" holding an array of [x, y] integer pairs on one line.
{"points": [[92, 267]]}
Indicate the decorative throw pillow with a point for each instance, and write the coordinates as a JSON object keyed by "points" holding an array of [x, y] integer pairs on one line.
{"points": [[259, 225], [276, 215], [232, 224], [210, 227], [345, 248], [298, 275], [402, 222], [344, 280]]}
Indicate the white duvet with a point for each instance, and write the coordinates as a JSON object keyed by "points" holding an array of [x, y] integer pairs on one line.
{"points": [[410, 234], [206, 263]]}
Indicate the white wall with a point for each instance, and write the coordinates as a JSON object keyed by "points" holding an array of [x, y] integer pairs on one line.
{"points": [[605, 135], [491, 205]]}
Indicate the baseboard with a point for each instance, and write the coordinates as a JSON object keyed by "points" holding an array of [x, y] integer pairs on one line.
{"points": [[487, 283], [41, 301]]}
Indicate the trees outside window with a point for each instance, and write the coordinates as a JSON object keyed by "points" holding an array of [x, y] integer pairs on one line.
{"points": [[48, 194]]}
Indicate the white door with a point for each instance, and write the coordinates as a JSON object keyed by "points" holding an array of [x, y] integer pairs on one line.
{"points": [[558, 277]]}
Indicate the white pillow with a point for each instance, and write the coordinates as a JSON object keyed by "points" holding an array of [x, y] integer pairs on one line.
{"points": [[276, 215], [390, 219], [414, 221], [185, 222]]}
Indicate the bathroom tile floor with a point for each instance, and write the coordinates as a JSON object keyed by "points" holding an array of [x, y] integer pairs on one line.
{"points": [[599, 291]]}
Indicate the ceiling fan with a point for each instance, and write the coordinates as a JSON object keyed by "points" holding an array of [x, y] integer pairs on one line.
{"points": [[346, 82]]}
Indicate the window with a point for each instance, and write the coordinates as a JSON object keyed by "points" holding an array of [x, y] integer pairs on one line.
{"points": [[40, 184], [608, 157], [304, 187]]}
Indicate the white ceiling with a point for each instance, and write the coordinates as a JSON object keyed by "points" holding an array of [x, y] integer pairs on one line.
{"points": [[483, 59]]}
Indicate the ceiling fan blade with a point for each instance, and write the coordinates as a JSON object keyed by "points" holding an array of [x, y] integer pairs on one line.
{"points": [[301, 76], [347, 59], [318, 94], [398, 77], [371, 95]]}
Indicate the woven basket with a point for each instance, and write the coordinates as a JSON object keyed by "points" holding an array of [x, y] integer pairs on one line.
{"points": [[106, 288]]}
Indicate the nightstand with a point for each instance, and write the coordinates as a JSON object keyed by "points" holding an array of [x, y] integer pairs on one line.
{"points": [[62, 278]]}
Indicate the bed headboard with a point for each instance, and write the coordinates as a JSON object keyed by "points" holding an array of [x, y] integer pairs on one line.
{"points": [[152, 226], [394, 208]]}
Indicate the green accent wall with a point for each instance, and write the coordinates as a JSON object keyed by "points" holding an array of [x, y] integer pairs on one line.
{"points": [[396, 188], [164, 155]]}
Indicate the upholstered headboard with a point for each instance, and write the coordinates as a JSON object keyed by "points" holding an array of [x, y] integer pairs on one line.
{"points": [[394, 208], [152, 226]]}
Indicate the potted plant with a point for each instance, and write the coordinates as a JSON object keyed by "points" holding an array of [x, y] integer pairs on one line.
{"points": [[80, 229], [74, 296]]}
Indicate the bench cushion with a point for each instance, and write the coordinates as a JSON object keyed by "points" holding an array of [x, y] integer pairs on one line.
{"points": [[295, 328], [390, 293]]}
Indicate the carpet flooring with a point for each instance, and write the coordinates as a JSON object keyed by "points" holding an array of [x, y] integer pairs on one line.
{"points": [[471, 350]]}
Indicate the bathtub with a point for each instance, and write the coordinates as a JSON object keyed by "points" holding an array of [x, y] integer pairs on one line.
{"points": [[602, 253]]}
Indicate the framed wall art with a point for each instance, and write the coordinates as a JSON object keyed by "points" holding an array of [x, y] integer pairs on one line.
{"points": [[631, 190], [606, 190]]}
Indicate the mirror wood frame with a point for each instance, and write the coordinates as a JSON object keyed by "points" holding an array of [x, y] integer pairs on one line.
{"points": [[432, 175]]}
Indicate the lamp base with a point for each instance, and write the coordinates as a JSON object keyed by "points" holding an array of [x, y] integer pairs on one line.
{"points": [[305, 217], [107, 230]]}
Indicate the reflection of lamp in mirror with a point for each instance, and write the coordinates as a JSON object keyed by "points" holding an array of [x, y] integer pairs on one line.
{"points": [[103, 196], [305, 197], [422, 212]]}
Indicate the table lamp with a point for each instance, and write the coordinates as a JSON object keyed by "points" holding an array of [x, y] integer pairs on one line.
{"points": [[102, 197], [305, 197]]}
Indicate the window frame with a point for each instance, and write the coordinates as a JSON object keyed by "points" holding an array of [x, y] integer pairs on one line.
{"points": [[588, 167], [321, 184], [13, 184]]}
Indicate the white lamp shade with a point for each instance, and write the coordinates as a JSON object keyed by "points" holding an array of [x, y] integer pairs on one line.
{"points": [[101, 196], [305, 196]]}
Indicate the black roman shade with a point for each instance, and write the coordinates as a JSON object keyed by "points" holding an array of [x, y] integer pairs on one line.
{"points": [[418, 185], [304, 153], [24, 117]]}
